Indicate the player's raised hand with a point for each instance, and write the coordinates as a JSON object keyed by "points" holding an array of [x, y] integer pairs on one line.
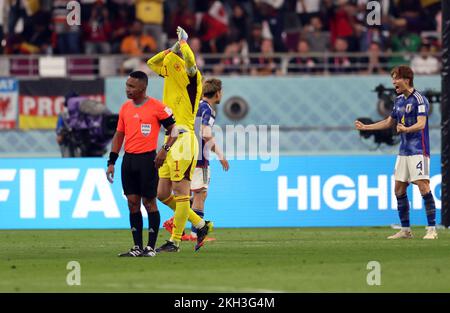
{"points": [[182, 35], [110, 173], [401, 128], [359, 125], [225, 165]]}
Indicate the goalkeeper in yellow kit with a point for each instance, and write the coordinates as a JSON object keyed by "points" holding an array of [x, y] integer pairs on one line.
{"points": [[182, 92]]}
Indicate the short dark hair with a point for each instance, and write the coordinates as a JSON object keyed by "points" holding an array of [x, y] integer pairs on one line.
{"points": [[211, 86], [403, 72], [140, 75]]}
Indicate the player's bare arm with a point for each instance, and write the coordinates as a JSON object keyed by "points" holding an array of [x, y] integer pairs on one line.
{"points": [[210, 141], [384, 124], [221, 156], [116, 145], [421, 122]]}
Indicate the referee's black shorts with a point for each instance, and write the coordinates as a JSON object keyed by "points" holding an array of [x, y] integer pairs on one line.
{"points": [[139, 174]]}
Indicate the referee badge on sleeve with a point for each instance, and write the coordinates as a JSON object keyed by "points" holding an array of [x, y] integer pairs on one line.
{"points": [[146, 129]]}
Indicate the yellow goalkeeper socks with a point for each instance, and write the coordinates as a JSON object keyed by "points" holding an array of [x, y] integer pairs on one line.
{"points": [[196, 220], [170, 202], [180, 217]]}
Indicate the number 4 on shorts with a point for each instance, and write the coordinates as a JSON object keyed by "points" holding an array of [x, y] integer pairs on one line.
{"points": [[419, 167]]}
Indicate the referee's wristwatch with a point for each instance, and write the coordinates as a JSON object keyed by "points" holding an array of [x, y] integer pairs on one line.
{"points": [[166, 147]]}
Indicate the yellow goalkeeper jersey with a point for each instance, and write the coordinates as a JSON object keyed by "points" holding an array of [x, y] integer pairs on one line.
{"points": [[181, 92]]}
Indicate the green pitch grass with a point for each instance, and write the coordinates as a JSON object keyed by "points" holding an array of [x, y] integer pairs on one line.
{"points": [[240, 260]]}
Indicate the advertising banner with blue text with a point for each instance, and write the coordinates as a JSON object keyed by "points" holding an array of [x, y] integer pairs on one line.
{"points": [[301, 191]]}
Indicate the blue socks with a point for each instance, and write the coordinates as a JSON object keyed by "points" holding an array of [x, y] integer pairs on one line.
{"points": [[199, 213], [403, 209], [430, 208]]}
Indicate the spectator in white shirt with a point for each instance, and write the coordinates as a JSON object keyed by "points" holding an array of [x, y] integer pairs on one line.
{"points": [[424, 63]]}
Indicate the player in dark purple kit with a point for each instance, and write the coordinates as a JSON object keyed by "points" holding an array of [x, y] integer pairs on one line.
{"points": [[410, 113], [206, 115]]}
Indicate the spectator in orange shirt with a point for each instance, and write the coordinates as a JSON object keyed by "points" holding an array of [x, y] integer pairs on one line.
{"points": [[137, 43]]}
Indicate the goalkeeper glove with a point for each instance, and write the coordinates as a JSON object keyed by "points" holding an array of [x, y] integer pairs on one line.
{"points": [[182, 35], [175, 48]]}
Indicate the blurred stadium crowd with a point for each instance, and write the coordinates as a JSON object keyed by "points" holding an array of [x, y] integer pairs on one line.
{"points": [[258, 37]]}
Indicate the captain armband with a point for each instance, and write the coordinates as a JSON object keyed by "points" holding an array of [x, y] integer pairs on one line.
{"points": [[168, 121]]}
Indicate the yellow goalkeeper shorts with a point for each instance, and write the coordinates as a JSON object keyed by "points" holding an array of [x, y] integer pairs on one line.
{"points": [[181, 159]]}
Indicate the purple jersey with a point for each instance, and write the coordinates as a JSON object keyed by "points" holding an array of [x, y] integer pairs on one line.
{"points": [[406, 111], [206, 116]]}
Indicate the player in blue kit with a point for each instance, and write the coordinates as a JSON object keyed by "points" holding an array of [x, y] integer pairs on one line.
{"points": [[206, 115], [410, 113]]}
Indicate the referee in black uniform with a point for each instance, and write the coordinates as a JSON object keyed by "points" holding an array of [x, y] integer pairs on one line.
{"points": [[139, 123]]}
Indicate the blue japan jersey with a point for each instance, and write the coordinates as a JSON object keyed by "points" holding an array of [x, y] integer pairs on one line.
{"points": [[206, 116], [406, 111]]}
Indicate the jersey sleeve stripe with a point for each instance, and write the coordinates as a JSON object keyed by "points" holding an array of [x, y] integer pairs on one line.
{"points": [[418, 97], [424, 148]]}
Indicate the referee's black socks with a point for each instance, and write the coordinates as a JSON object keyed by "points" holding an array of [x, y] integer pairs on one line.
{"points": [[154, 220], [136, 228]]}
